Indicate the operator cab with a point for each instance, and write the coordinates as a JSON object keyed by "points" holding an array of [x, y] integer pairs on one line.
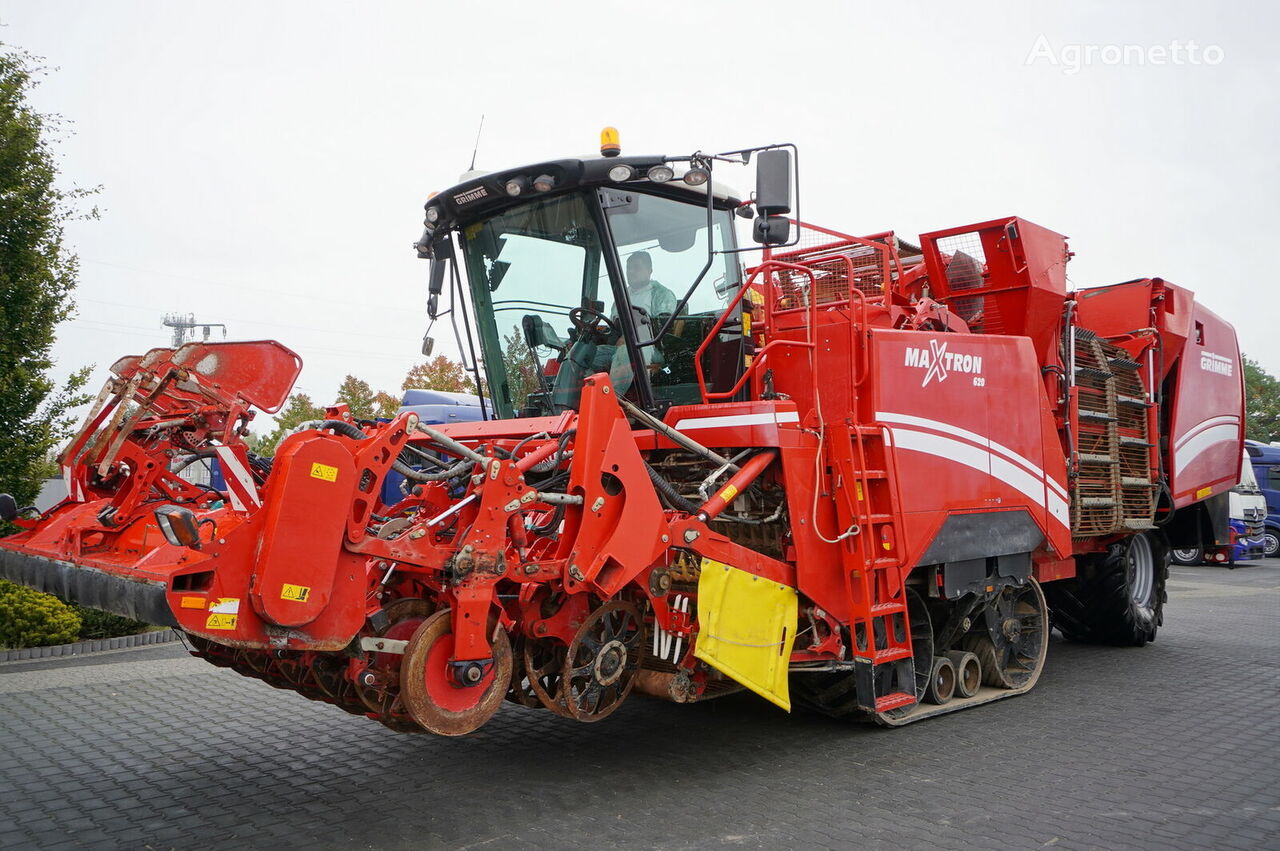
{"points": [[575, 267]]}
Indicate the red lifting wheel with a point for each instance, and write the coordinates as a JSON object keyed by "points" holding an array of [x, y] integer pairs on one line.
{"points": [[427, 687]]}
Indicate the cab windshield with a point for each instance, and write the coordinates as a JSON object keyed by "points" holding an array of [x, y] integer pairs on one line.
{"points": [[549, 313]]}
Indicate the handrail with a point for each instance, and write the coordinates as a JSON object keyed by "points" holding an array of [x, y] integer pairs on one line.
{"points": [[761, 356]]}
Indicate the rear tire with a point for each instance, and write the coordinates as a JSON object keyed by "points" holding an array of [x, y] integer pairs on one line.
{"points": [[1188, 556], [1118, 598]]}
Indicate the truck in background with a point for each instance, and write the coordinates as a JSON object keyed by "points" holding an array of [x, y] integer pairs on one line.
{"points": [[1265, 460], [1247, 512]]}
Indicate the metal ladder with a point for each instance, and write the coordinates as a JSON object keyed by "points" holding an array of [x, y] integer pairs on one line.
{"points": [[863, 488]]}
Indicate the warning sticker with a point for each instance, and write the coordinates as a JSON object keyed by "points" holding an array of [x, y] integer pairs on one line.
{"points": [[225, 605], [324, 472], [297, 593], [217, 621]]}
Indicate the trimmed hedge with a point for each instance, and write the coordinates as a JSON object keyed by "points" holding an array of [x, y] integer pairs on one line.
{"points": [[30, 618], [96, 624]]}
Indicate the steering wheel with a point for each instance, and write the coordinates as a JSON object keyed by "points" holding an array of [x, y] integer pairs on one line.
{"points": [[590, 321]]}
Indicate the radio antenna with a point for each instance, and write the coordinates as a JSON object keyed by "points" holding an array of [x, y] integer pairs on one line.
{"points": [[477, 147]]}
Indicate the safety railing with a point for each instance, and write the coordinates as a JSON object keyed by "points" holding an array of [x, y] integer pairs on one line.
{"points": [[769, 266]]}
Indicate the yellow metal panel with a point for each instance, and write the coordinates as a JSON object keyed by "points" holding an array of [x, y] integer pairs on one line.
{"points": [[746, 626]]}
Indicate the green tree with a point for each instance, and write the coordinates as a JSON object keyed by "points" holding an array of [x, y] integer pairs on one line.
{"points": [[522, 371], [37, 277], [359, 397], [1262, 403], [297, 409], [385, 405], [439, 373]]}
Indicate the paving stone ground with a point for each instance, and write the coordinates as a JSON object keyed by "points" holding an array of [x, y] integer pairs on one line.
{"points": [[1174, 745]]}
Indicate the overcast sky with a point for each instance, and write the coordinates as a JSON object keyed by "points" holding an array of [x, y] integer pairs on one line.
{"points": [[264, 164]]}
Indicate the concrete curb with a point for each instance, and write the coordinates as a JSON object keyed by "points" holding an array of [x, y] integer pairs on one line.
{"points": [[96, 645]]}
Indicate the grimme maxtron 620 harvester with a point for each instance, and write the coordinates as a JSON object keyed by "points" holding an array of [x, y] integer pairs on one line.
{"points": [[867, 475]]}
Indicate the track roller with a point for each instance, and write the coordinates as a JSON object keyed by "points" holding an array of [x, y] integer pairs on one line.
{"points": [[942, 681], [968, 672]]}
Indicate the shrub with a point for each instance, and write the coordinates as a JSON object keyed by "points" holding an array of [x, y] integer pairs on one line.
{"points": [[31, 619], [96, 624]]}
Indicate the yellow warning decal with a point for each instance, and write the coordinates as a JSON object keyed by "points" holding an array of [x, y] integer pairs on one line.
{"points": [[746, 324], [217, 621], [297, 593], [728, 493], [1203, 492], [192, 602], [324, 472], [859, 487]]}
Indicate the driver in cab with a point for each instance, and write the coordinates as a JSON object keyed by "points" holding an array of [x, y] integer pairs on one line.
{"points": [[651, 303]]}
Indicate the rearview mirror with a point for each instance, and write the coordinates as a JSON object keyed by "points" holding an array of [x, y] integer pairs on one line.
{"points": [[441, 254], [773, 182], [771, 230], [435, 285]]}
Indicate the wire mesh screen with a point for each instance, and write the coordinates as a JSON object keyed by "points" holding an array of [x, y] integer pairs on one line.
{"points": [[838, 262], [966, 270], [811, 241]]}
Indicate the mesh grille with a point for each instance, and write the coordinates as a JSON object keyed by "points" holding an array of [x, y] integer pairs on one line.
{"points": [[839, 263], [966, 271]]}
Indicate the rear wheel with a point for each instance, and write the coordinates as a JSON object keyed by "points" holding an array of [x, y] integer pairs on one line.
{"points": [[1119, 596], [1187, 555]]}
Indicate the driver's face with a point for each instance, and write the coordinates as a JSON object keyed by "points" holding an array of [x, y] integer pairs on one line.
{"points": [[638, 271]]}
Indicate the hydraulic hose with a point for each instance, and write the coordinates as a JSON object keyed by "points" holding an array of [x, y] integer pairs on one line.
{"points": [[353, 431], [669, 492], [559, 456]]}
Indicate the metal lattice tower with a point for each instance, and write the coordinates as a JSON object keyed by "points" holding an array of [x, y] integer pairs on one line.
{"points": [[184, 323]]}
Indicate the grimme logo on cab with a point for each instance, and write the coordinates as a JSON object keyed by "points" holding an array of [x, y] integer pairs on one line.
{"points": [[938, 363]]}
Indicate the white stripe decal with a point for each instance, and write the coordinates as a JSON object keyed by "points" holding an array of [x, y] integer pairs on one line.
{"points": [[73, 486], [984, 462], [238, 478], [1203, 425], [985, 442], [739, 420], [1189, 451], [236, 502]]}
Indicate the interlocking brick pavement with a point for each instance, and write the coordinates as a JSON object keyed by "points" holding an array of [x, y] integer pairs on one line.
{"points": [[1169, 746]]}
